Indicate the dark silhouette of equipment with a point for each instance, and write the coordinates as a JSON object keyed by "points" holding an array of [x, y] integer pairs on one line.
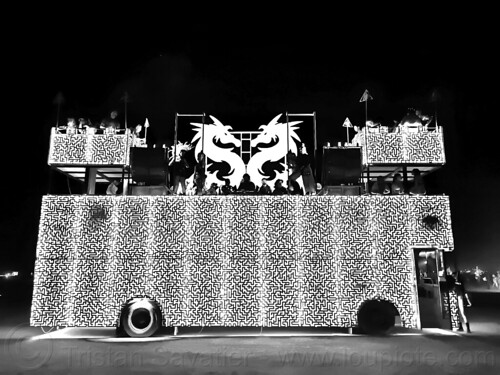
{"points": [[148, 165], [341, 170]]}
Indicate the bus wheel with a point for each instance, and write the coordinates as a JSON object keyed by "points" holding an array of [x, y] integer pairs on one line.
{"points": [[376, 317], [140, 317]]}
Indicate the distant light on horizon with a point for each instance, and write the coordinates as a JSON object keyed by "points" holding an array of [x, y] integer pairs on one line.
{"points": [[10, 274]]}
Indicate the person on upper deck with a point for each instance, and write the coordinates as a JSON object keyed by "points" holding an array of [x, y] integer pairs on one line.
{"points": [[424, 119], [111, 124], [246, 186], [227, 189], [304, 163], [294, 188], [279, 189], [199, 173], [265, 189], [410, 122], [380, 187], [397, 187], [112, 188], [358, 138], [180, 168], [214, 188], [418, 186], [71, 127]]}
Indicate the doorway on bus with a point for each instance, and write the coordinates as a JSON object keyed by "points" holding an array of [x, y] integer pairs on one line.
{"points": [[431, 283]]}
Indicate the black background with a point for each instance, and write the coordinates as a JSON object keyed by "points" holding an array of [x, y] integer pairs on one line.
{"points": [[245, 72]]}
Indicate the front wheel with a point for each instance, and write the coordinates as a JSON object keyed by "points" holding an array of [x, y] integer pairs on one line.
{"points": [[140, 317], [376, 317]]}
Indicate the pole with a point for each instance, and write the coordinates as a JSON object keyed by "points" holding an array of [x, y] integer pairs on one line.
{"points": [[125, 101], [366, 112], [203, 133], [175, 136], [315, 135], [58, 111], [126, 123], [287, 147], [203, 141], [436, 114], [315, 145], [59, 99]]}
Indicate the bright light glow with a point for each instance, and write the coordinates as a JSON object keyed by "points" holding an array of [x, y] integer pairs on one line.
{"points": [[10, 274]]}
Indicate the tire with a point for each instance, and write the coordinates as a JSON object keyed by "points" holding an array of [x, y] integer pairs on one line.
{"points": [[376, 317], [140, 317]]}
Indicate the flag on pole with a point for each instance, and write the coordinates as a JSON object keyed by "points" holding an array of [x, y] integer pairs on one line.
{"points": [[146, 123], [366, 96], [347, 123]]}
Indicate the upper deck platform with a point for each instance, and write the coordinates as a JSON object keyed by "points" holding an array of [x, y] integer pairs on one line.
{"points": [[72, 153], [383, 153]]}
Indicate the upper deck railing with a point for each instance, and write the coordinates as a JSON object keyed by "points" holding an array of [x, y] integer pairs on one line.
{"points": [[89, 149], [403, 147]]}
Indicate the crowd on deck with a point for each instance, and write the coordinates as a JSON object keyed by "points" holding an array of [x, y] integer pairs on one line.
{"points": [[299, 164]]}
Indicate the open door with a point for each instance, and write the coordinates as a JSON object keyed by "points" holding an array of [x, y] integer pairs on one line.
{"points": [[432, 293]]}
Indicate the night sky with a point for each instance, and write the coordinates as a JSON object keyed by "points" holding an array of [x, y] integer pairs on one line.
{"points": [[245, 80]]}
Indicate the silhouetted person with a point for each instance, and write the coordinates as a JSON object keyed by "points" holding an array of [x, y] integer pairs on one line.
{"points": [[279, 189], [112, 188], [213, 189], [111, 124], [199, 173], [71, 127], [320, 190], [180, 170], [265, 189], [418, 186], [424, 119], [294, 188], [227, 189], [461, 296], [380, 187], [304, 164], [411, 121], [246, 186], [397, 187], [357, 140]]}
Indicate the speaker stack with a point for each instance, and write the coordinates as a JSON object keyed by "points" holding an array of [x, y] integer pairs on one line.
{"points": [[147, 168], [341, 170]]}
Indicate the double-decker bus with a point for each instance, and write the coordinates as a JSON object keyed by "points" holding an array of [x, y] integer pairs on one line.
{"points": [[143, 259]]}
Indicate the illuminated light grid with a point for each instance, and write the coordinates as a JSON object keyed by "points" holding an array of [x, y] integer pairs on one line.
{"points": [[400, 148], [231, 260], [95, 149]]}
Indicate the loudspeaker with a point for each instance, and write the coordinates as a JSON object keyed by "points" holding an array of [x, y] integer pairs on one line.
{"points": [[148, 165], [341, 165]]}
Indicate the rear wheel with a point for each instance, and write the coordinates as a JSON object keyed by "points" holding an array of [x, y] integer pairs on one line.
{"points": [[376, 317], [140, 317]]}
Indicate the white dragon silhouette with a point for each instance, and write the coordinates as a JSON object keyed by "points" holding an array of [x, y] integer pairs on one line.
{"points": [[217, 132], [272, 132]]}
